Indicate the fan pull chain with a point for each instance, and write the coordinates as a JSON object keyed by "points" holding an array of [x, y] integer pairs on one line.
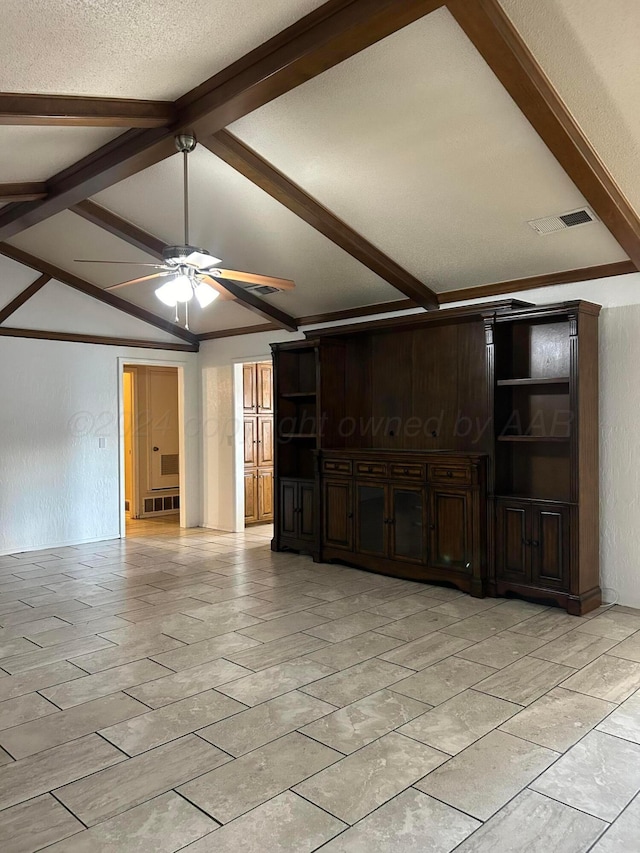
{"points": [[186, 315]]}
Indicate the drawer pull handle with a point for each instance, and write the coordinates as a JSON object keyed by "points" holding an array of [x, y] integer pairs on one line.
{"points": [[535, 543], [405, 470], [449, 473], [349, 515]]}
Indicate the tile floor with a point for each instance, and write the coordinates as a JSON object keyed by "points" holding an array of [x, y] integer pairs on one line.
{"points": [[190, 690]]}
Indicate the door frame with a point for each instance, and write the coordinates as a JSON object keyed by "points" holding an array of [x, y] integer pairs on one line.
{"points": [[184, 480]]}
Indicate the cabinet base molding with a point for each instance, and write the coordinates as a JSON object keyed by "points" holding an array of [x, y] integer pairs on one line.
{"points": [[575, 605], [406, 571]]}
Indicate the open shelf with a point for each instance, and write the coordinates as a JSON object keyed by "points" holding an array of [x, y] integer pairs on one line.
{"points": [[559, 380], [287, 435], [300, 395], [533, 438]]}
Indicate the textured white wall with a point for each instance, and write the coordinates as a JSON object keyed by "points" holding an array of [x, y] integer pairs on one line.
{"points": [[57, 486], [620, 454]]}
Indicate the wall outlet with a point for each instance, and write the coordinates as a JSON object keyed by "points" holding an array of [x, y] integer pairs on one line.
{"points": [[102, 442]]}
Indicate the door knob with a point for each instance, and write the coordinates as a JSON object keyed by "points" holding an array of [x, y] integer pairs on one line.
{"points": [[155, 449]]}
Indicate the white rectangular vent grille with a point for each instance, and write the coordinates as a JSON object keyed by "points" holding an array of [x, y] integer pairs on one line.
{"points": [[169, 464], [551, 224]]}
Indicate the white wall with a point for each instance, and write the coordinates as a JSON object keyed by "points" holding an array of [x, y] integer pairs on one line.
{"points": [[57, 486], [222, 425]]}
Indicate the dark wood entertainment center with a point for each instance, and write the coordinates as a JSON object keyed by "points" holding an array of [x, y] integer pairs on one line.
{"points": [[456, 446]]}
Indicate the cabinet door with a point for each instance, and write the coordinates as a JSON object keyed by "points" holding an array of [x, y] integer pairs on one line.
{"points": [[265, 495], [288, 508], [265, 441], [249, 388], [250, 497], [550, 546], [450, 541], [264, 384], [407, 524], [338, 514], [513, 533], [306, 511], [372, 519], [250, 442]]}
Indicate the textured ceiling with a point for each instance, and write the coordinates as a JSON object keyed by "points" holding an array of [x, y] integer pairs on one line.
{"points": [[415, 144], [37, 153], [131, 48], [591, 52]]}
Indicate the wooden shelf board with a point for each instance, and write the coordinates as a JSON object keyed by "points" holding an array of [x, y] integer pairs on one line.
{"points": [[299, 395], [298, 435], [532, 438], [558, 380]]}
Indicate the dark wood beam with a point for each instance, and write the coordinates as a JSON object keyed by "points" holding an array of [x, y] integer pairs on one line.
{"points": [[254, 167], [95, 339], [516, 285], [96, 292], [352, 313], [22, 297], [494, 36], [263, 309], [242, 330], [72, 111], [26, 191], [325, 37], [148, 243], [119, 227]]}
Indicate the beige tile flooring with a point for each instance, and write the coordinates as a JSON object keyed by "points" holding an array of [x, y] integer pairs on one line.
{"points": [[190, 690]]}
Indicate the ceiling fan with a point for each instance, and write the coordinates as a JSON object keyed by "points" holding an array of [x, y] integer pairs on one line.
{"points": [[191, 271]]}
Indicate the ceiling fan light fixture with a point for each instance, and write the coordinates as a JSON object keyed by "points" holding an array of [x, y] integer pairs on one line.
{"points": [[178, 289], [205, 294]]}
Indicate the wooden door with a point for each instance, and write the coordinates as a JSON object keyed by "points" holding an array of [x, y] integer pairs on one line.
{"points": [[513, 551], [265, 440], [249, 391], [250, 443], [251, 512], [163, 433], [451, 534], [264, 480], [307, 511], [550, 546], [338, 514], [372, 516], [407, 524], [288, 508], [264, 387]]}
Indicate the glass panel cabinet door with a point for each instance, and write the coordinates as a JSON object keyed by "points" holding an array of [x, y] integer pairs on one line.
{"points": [[371, 521], [408, 541]]}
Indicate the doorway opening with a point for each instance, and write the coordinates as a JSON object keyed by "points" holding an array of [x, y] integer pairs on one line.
{"points": [[152, 409], [257, 414]]}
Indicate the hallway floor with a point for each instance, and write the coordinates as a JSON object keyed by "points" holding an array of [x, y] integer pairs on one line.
{"points": [[190, 690]]}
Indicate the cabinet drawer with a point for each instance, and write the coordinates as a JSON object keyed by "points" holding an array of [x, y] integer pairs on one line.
{"points": [[460, 474], [373, 469], [336, 466], [407, 472]]}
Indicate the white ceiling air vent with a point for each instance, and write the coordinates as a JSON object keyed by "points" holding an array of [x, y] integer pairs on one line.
{"points": [[550, 224]]}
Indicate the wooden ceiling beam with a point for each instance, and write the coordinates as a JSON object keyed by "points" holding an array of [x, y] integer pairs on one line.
{"points": [[497, 40], [516, 285], [152, 245], [72, 111], [96, 292], [325, 37], [9, 332], [22, 297], [25, 191], [119, 227], [245, 160]]}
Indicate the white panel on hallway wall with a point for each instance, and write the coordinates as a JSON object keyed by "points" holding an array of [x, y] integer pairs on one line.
{"points": [[57, 485], [59, 308]]}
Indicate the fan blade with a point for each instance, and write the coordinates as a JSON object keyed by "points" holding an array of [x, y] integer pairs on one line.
{"points": [[254, 278], [129, 263], [224, 293], [136, 280]]}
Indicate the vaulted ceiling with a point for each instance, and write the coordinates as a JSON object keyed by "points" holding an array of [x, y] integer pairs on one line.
{"points": [[378, 152]]}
